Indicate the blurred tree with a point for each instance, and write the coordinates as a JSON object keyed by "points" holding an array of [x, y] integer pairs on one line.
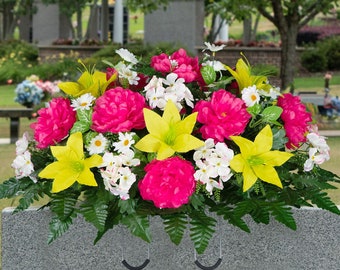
{"points": [[11, 11], [289, 16]]}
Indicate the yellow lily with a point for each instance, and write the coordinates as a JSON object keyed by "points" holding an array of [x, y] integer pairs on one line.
{"points": [[168, 134], [71, 165], [244, 78], [257, 161], [94, 83]]}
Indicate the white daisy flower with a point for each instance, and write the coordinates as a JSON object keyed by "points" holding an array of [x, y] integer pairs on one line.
{"points": [[125, 142], [97, 145], [127, 55], [250, 96], [84, 102]]}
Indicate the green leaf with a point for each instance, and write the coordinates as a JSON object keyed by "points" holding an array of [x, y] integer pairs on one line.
{"points": [[95, 213], [175, 226], [58, 227], [255, 109], [257, 209], [232, 217], [197, 200], [202, 229], [63, 204], [112, 219], [138, 225], [279, 138], [33, 192], [12, 186], [322, 200], [271, 114], [127, 206], [282, 213], [84, 116], [80, 127], [208, 74]]}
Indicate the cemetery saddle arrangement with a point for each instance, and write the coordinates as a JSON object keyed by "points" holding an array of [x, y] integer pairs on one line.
{"points": [[184, 139]]}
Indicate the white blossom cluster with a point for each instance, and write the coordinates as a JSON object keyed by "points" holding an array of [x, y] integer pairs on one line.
{"points": [[158, 91], [126, 72], [318, 153], [116, 168], [212, 162], [22, 163]]}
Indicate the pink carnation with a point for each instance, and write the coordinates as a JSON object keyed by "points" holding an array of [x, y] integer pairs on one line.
{"points": [[168, 183], [179, 62], [118, 110], [295, 119], [54, 122], [223, 116]]}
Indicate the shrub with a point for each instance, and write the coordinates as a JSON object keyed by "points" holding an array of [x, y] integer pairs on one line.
{"points": [[331, 49], [314, 60], [17, 59]]}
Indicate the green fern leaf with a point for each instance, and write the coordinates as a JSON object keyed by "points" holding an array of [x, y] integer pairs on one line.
{"points": [[58, 227], [175, 226], [12, 186], [282, 213], [202, 229], [112, 219], [63, 204], [322, 200], [229, 214], [138, 226], [33, 192], [95, 213]]}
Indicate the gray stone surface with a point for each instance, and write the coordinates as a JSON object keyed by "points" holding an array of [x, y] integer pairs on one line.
{"points": [[315, 245], [45, 24], [182, 23]]}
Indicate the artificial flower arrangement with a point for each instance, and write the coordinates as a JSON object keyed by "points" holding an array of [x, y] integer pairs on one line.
{"points": [[180, 139], [33, 91]]}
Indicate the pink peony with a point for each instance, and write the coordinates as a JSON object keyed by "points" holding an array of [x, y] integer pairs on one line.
{"points": [[54, 122], [223, 116], [168, 183], [179, 62], [295, 118], [118, 110], [161, 63]]}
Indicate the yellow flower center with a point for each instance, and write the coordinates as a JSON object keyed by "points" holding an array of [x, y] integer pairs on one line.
{"points": [[126, 142], [83, 104], [97, 143], [253, 97]]}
